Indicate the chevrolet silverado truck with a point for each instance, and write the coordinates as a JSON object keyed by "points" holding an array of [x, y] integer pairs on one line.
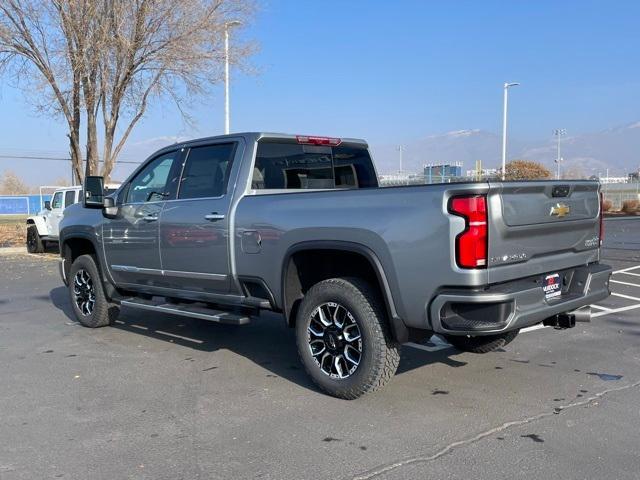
{"points": [[224, 227]]}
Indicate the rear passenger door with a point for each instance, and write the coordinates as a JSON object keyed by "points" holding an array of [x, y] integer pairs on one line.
{"points": [[194, 228]]}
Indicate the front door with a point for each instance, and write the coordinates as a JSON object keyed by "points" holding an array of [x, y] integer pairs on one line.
{"points": [[55, 215], [194, 228], [131, 240]]}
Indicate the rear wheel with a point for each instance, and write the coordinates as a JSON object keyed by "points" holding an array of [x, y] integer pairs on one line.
{"points": [[482, 344], [34, 242], [90, 305], [343, 338]]}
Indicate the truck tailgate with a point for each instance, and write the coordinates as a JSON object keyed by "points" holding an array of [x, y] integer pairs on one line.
{"points": [[541, 227]]}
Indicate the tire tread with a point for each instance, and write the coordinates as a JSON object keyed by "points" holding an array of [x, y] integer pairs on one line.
{"points": [[105, 312], [385, 362]]}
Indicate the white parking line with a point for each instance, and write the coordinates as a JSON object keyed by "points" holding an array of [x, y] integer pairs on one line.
{"points": [[628, 297], [627, 269], [532, 328], [598, 307], [615, 310], [427, 348], [630, 273], [179, 336], [625, 283]]}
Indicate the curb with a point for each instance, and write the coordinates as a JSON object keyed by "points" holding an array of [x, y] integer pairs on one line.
{"points": [[12, 250]]}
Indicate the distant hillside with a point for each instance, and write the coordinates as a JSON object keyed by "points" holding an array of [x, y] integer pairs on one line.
{"points": [[617, 149]]}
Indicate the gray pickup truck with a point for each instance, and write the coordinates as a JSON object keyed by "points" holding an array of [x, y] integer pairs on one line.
{"points": [[223, 227]]}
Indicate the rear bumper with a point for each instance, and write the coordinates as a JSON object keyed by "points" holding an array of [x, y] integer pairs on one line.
{"points": [[516, 304]]}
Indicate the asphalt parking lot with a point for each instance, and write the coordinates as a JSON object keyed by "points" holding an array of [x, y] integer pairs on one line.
{"points": [[161, 397]]}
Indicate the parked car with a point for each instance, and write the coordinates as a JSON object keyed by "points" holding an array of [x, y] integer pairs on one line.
{"points": [[43, 228], [223, 227]]}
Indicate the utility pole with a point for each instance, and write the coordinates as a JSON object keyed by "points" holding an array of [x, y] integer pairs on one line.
{"points": [[400, 149], [504, 125], [559, 133], [233, 23]]}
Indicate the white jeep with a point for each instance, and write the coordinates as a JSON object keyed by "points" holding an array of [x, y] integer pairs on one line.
{"points": [[43, 228]]}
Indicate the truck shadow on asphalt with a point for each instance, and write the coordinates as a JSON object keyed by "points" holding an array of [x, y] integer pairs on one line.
{"points": [[267, 341]]}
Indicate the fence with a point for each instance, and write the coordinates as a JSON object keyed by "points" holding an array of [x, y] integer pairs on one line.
{"points": [[22, 204], [618, 193]]}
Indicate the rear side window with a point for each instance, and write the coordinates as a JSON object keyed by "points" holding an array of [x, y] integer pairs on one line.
{"points": [[281, 165], [206, 171], [69, 198]]}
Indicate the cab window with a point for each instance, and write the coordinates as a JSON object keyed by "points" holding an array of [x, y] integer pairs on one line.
{"points": [[57, 200], [157, 181], [69, 198], [206, 171], [287, 165]]}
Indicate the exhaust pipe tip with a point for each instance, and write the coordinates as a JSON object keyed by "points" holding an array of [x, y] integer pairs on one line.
{"points": [[583, 314]]}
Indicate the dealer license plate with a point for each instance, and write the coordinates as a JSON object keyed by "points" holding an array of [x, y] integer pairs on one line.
{"points": [[552, 286]]}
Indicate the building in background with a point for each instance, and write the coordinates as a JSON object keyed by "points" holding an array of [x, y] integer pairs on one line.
{"points": [[443, 173], [483, 173], [401, 178], [607, 180]]}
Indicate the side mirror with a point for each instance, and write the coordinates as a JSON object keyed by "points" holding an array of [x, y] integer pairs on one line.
{"points": [[110, 210], [47, 204], [93, 192]]}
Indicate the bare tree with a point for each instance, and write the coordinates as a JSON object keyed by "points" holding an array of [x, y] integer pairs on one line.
{"points": [[108, 60], [160, 48], [61, 181], [12, 184], [36, 47]]}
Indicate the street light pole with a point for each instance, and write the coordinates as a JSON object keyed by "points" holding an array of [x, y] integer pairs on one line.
{"points": [[504, 126], [233, 23], [559, 132]]}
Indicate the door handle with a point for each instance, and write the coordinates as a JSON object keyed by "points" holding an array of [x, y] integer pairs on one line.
{"points": [[214, 217], [150, 218]]}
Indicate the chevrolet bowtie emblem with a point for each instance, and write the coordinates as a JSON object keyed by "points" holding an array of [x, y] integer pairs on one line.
{"points": [[560, 210]]}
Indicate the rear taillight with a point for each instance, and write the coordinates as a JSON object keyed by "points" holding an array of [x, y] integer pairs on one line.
{"points": [[471, 244], [307, 140], [601, 218]]}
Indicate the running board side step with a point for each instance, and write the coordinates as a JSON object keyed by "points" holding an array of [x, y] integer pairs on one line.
{"points": [[188, 310]]}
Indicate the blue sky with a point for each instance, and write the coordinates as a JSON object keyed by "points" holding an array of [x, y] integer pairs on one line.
{"points": [[395, 71]]}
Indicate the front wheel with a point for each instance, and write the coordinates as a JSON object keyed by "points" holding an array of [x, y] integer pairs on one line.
{"points": [[89, 302], [34, 242], [482, 344], [343, 338]]}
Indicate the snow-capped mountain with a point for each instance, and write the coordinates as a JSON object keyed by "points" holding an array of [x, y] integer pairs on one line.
{"points": [[617, 149]]}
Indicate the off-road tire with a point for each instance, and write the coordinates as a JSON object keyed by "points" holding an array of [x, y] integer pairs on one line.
{"points": [[482, 344], [34, 242], [104, 312], [380, 353]]}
